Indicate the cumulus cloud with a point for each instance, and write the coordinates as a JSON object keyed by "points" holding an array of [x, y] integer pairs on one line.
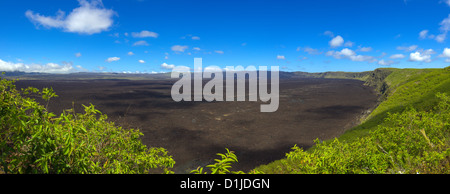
{"points": [[90, 18], [77, 54], [179, 48], [350, 54], [141, 61], [421, 56], [111, 59], [446, 54], [130, 53], [219, 52], [167, 66], [47, 68], [397, 56], [195, 38], [281, 57], [141, 43], [144, 34], [417, 56], [336, 41]]}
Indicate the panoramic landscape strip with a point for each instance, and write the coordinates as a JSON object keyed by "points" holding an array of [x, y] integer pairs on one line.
{"points": [[264, 92]]}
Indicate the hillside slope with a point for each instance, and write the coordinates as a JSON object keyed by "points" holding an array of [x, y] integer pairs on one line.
{"points": [[408, 132]]}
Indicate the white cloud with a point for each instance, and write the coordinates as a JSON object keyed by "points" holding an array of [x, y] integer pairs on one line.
{"points": [[219, 52], [130, 53], [365, 49], [90, 18], [445, 28], [167, 55], [336, 41], [350, 54], [428, 52], [385, 63], [441, 37], [407, 49], [141, 43], [424, 35], [167, 66], [179, 48], [196, 48], [347, 52], [397, 56], [77, 54], [191, 36], [141, 61], [446, 52], [111, 59], [421, 56], [48, 22], [47, 68], [144, 34], [329, 33], [310, 50], [349, 44], [281, 57]]}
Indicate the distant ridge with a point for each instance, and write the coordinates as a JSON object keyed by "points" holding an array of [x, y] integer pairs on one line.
{"points": [[142, 76]]}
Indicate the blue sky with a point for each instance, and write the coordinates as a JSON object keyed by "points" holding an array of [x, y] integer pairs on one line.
{"points": [[153, 36]]}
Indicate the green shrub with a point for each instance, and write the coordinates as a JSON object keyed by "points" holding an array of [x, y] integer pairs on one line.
{"points": [[408, 142], [33, 140], [223, 165]]}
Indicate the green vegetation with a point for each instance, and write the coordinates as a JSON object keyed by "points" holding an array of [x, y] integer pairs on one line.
{"points": [[33, 140], [407, 133], [222, 165]]}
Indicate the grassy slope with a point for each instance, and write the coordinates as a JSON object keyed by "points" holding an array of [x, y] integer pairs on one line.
{"points": [[406, 87]]}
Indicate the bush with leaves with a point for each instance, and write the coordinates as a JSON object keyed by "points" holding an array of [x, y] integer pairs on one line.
{"points": [[408, 142], [33, 140], [223, 165]]}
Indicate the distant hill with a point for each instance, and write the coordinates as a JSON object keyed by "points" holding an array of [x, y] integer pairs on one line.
{"points": [[84, 76]]}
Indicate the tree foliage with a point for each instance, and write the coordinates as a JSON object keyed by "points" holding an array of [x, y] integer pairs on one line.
{"points": [[223, 165], [33, 140], [408, 142]]}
